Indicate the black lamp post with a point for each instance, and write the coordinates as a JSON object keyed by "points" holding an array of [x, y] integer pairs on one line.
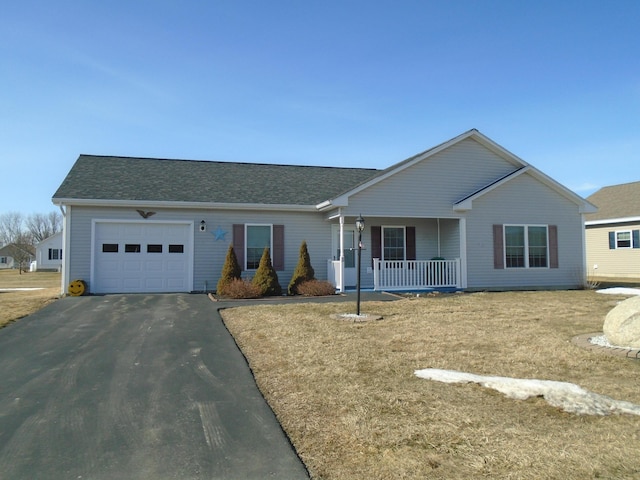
{"points": [[360, 228]]}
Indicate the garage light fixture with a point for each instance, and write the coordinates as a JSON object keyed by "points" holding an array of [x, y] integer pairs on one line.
{"points": [[203, 226]]}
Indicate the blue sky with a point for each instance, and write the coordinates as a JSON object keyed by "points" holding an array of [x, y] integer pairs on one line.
{"points": [[336, 83]]}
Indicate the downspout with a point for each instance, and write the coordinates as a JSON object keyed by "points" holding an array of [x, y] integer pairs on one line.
{"points": [[341, 274], [584, 251], [66, 249]]}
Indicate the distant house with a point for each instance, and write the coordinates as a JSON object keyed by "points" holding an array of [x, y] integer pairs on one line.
{"points": [[11, 254], [613, 232], [49, 253], [464, 214]]}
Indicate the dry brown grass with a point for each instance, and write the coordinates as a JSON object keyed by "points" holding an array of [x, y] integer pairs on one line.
{"points": [[346, 395], [18, 304]]}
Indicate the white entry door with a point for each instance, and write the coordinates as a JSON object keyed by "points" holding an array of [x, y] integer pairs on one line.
{"points": [[350, 253], [133, 257]]}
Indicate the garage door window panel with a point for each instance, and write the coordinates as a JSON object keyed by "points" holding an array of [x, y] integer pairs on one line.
{"points": [[154, 248], [175, 248], [110, 248], [132, 248]]}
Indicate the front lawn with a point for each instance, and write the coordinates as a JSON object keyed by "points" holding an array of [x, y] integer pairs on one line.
{"points": [[16, 304], [347, 396]]}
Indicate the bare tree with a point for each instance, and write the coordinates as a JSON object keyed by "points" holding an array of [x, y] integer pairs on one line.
{"points": [[11, 227], [42, 226], [22, 251]]}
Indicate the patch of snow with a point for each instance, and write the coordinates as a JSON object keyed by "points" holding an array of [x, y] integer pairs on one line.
{"points": [[603, 341], [568, 396], [24, 289], [620, 291]]}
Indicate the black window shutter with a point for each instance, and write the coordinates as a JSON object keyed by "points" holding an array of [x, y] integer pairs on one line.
{"points": [[498, 247], [553, 246], [376, 242], [636, 238], [278, 247], [238, 243], [411, 242], [612, 240]]}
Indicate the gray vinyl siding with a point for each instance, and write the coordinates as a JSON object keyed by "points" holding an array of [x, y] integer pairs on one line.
{"points": [[524, 200], [612, 263], [209, 254], [431, 187]]}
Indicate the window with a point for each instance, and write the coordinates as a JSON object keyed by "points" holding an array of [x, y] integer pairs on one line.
{"points": [[258, 237], [3, 259], [176, 248], [525, 246], [132, 248], [110, 248], [154, 248], [55, 254], [393, 243], [623, 239]]}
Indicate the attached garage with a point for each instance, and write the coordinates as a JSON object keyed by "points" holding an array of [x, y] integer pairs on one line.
{"points": [[142, 257]]}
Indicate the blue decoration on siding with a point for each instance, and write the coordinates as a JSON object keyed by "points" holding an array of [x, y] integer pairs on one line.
{"points": [[219, 233]]}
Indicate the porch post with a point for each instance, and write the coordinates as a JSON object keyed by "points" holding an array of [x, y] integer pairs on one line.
{"points": [[462, 226], [341, 273]]}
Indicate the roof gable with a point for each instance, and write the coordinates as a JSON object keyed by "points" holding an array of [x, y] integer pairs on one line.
{"points": [[465, 203], [616, 202]]}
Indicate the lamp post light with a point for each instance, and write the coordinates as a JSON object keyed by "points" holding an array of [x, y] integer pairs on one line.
{"points": [[360, 228]]}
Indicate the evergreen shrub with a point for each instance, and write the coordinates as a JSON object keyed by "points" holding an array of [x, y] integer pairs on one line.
{"points": [[230, 271], [266, 278], [303, 272]]}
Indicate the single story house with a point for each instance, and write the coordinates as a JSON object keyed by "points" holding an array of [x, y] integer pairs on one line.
{"points": [[49, 253], [465, 214], [613, 232]]}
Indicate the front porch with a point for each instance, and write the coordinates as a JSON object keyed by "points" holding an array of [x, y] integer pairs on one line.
{"points": [[393, 250]]}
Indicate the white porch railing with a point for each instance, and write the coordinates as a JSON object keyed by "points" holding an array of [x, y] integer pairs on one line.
{"points": [[415, 274]]}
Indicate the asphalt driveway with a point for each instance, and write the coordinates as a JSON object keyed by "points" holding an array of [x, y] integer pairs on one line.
{"points": [[135, 387]]}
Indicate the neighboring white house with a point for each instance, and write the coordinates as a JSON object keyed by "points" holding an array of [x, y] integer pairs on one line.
{"points": [[465, 214], [49, 253]]}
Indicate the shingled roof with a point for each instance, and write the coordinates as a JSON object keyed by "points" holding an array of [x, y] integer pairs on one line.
{"points": [[616, 202], [107, 178]]}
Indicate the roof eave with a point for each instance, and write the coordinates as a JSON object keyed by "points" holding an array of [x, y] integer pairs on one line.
{"points": [[607, 221], [173, 204]]}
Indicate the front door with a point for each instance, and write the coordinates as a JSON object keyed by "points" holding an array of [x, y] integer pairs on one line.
{"points": [[350, 253]]}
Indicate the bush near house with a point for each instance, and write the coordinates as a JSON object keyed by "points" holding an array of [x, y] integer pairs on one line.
{"points": [[303, 272], [230, 271], [239, 288], [266, 278], [316, 288]]}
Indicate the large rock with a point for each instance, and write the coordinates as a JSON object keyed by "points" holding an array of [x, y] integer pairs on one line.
{"points": [[622, 324]]}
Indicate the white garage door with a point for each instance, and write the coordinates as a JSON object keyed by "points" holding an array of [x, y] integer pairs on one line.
{"points": [[142, 257]]}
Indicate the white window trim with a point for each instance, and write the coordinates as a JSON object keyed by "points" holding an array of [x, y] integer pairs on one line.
{"points": [[526, 245], [246, 243], [404, 246], [630, 239]]}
